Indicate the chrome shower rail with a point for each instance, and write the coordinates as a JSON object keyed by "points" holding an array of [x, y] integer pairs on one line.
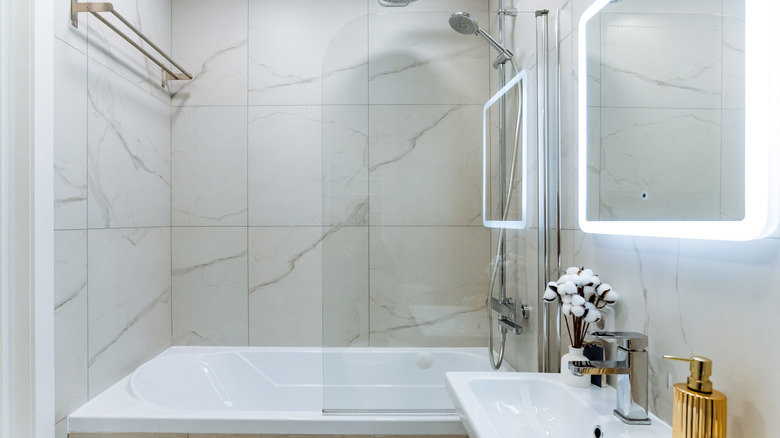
{"points": [[95, 8]]}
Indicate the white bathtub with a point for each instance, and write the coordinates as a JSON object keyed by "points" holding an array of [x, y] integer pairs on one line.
{"points": [[235, 390]]}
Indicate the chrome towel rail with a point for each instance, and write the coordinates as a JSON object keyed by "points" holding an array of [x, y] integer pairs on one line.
{"points": [[95, 8]]}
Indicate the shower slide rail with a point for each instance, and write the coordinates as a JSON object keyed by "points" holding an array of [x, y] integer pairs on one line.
{"points": [[95, 8]]}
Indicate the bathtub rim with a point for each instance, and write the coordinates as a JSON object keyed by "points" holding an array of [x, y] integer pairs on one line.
{"points": [[115, 410]]}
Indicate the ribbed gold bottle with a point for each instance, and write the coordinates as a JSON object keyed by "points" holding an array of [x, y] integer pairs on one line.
{"points": [[698, 415]]}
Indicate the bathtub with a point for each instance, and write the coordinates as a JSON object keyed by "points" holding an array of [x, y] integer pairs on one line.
{"points": [[259, 390]]}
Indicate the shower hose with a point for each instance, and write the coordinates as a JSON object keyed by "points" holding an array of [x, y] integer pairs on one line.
{"points": [[499, 259]]}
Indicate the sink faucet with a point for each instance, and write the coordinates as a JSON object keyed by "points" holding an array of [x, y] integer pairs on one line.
{"points": [[631, 371]]}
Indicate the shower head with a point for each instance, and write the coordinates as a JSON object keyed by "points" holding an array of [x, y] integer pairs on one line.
{"points": [[463, 22], [395, 3]]}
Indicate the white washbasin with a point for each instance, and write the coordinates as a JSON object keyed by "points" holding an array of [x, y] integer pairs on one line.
{"points": [[520, 405]]}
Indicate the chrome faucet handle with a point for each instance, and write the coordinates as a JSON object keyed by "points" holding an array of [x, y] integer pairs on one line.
{"points": [[630, 341]]}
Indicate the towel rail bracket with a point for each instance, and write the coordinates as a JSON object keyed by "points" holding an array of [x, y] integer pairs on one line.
{"points": [[95, 8]]}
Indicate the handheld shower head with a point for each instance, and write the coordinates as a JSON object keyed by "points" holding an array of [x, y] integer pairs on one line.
{"points": [[465, 23]]}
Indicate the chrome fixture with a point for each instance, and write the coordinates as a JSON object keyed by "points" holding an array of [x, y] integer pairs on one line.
{"points": [[511, 312], [465, 23], [395, 3], [631, 370], [95, 8]]}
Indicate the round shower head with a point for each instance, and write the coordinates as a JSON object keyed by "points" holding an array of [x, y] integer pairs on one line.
{"points": [[464, 23]]}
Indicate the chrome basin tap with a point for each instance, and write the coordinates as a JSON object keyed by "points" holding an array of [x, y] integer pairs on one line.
{"points": [[631, 371]]}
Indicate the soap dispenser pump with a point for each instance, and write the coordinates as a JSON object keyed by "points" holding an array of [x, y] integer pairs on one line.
{"points": [[699, 411]]}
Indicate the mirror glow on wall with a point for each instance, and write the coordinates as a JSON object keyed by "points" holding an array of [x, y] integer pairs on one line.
{"points": [[496, 212], [674, 108]]}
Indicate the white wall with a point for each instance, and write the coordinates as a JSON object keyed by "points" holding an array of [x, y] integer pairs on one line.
{"points": [[112, 202], [327, 154]]}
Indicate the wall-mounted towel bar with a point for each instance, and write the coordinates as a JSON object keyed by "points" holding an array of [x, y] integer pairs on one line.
{"points": [[95, 8]]}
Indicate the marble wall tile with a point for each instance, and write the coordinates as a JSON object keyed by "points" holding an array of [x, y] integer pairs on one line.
{"points": [[150, 17], [344, 164], [630, 167], [75, 37], [129, 303], [217, 59], [688, 77], [70, 321], [209, 166], [733, 63], [680, 292], [345, 273], [289, 70], [428, 286], [285, 158], [419, 59], [732, 175], [668, 7], [129, 148], [209, 291], [285, 286], [425, 165], [70, 134]]}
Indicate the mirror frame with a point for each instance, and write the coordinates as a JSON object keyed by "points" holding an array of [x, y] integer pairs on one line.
{"points": [[761, 139], [520, 81]]}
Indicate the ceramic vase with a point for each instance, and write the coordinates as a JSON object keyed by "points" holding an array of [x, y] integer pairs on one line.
{"points": [[574, 354]]}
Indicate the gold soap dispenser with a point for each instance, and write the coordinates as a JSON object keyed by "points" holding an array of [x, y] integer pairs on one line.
{"points": [[699, 411]]}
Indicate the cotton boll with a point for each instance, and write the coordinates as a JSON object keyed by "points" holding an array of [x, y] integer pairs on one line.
{"points": [[577, 310], [573, 271], [553, 285], [577, 300], [587, 273], [568, 288], [566, 299], [602, 288], [589, 292], [611, 297], [550, 295], [565, 308], [593, 314], [595, 281]]}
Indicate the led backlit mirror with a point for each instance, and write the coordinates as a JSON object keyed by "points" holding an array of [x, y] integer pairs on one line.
{"points": [[674, 132]]}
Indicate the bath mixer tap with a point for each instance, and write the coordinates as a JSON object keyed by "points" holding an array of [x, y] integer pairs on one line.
{"points": [[631, 370]]}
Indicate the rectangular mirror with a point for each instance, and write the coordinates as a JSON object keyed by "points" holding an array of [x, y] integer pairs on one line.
{"points": [[504, 204], [669, 92]]}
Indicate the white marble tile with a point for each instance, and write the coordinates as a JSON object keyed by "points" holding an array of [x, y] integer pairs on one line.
{"points": [[654, 60], [734, 9], [150, 17], [285, 286], [129, 303], [345, 164], [209, 292], [672, 155], [428, 286], [733, 63], [345, 287], [70, 137], [295, 46], [732, 176], [209, 166], [520, 34], [680, 292], [129, 148], [75, 37], [425, 165], [70, 321], [419, 59], [522, 284], [569, 133], [285, 178], [210, 41]]}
